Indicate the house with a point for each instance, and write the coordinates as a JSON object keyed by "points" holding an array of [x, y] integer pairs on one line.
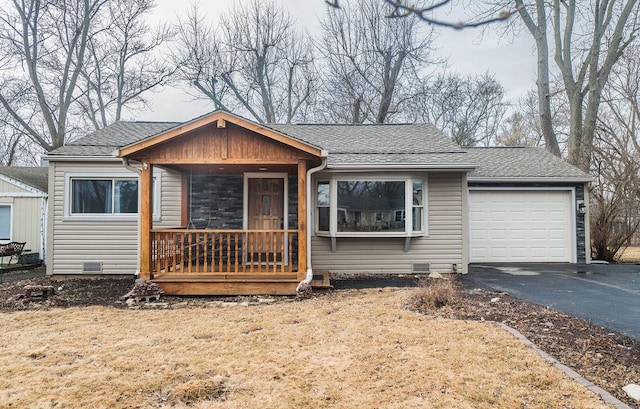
{"points": [[23, 207], [223, 205]]}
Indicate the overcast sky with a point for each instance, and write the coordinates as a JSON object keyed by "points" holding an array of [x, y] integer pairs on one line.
{"points": [[512, 61]]}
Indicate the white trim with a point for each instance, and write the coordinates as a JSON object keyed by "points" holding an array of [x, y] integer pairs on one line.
{"points": [[10, 206], [77, 158], [406, 177], [570, 189], [532, 179], [19, 194], [69, 216], [404, 167]]}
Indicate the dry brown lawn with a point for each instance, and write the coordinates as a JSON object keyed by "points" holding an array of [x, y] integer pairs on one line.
{"points": [[630, 255], [352, 349]]}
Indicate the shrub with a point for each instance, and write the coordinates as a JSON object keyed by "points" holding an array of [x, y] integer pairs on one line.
{"points": [[435, 293]]}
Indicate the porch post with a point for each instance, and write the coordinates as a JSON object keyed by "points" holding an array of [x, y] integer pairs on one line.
{"points": [[146, 219], [302, 218]]}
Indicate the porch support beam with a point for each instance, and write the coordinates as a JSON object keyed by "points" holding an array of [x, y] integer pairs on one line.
{"points": [[302, 218], [146, 219]]}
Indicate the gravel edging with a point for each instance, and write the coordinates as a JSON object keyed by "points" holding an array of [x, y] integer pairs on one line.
{"points": [[604, 395]]}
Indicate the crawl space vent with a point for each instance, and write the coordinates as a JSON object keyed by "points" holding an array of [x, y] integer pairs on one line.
{"points": [[420, 267], [92, 267]]}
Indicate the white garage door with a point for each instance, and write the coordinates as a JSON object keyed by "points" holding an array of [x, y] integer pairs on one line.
{"points": [[520, 226]]}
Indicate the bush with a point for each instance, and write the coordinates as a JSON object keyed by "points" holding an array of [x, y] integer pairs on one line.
{"points": [[435, 293]]}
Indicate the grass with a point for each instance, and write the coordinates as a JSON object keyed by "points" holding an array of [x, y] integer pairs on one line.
{"points": [[630, 255], [355, 349]]}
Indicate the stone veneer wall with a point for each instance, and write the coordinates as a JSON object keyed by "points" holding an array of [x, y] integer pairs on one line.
{"points": [[216, 203], [580, 228]]}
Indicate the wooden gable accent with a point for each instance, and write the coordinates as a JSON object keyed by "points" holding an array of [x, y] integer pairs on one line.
{"points": [[220, 138], [230, 145]]}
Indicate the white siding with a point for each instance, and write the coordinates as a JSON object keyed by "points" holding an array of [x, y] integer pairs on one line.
{"points": [[442, 247], [170, 192], [26, 216], [114, 243]]}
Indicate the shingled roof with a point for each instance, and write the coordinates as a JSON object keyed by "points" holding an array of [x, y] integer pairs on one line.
{"points": [[37, 177], [104, 141], [520, 162], [366, 146]]}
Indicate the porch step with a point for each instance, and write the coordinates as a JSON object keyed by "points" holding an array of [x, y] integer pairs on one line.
{"points": [[321, 280], [228, 284]]}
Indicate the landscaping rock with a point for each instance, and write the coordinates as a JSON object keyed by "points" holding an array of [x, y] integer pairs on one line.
{"points": [[633, 391]]}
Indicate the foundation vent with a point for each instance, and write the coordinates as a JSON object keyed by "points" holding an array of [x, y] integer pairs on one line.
{"points": [[420, 267], [92, 267]]}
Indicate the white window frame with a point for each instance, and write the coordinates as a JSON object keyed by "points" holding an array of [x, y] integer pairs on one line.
{"points": [[68, 192], [408, 219], [8, 239], [316, 207]]}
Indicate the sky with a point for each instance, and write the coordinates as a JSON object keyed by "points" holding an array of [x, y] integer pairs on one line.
{"points": [[510, 60]]}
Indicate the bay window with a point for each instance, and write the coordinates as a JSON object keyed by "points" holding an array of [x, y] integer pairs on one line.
{"points": [[375, 206]]}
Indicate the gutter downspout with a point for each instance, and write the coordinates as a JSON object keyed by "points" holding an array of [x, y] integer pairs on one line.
{"points": [[307, 280], [127, 165]]}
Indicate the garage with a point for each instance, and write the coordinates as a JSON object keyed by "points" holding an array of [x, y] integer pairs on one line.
{"points": [[521, 226]]}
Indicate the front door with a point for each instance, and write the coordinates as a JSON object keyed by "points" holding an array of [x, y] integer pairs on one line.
{"points": [[266, 213]]}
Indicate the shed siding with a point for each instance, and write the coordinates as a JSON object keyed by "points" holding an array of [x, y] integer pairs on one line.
{"points": [[441, 248], [114, 243], [28, 222], [6, 187]]}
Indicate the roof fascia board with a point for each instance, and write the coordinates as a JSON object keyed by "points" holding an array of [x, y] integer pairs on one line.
{"points": [[546, 179], [446, 166], [210, 119], [34, 194], [22, 185], [68, 158]]}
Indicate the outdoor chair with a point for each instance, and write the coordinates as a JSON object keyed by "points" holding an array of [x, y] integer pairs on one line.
{"points": [[13, 250]]}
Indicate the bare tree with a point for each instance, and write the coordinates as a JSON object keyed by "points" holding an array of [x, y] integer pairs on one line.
{"points": [[587, 38], [121, 66], [469, 109], [615, 215], [257, 62], [400, 9], [63, 62], [615, 196], [523, 127], [43, 45], [372, 61]]}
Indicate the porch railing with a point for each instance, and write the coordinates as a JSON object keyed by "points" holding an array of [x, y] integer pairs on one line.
{"points": [[223, 251]]}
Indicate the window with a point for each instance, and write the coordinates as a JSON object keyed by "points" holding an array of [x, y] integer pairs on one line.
{"points": [[322, 206], [5, 222], [104, 196], [375, 201], [107, 196], [350, 206], [418, 205]]}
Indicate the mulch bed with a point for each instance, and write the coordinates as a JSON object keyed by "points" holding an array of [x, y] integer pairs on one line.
{"points": [[606, 358]]}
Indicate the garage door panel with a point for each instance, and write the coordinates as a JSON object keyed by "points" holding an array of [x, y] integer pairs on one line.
{"points": [[520, 226]]}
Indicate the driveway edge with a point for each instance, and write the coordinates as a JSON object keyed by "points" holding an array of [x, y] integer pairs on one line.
{"points": [[604, 395]]}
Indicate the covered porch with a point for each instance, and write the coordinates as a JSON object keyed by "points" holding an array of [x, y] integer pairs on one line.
{"points": [[243, 223]]}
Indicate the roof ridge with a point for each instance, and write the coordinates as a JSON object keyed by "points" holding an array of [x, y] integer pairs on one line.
{"points": [[351, 124]]}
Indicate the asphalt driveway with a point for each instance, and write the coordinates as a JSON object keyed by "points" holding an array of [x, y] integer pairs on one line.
{"points": [[607, 295]]}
